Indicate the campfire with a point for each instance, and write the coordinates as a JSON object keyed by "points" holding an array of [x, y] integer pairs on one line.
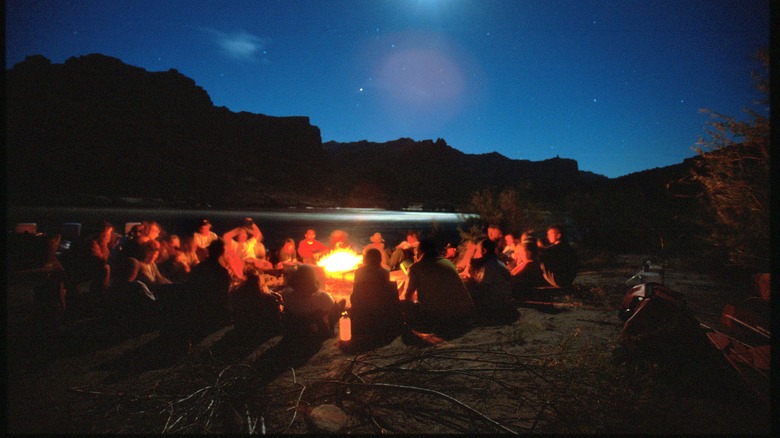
{"points": [[340, 262]]}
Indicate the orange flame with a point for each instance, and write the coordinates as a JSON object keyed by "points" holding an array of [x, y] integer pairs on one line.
{"points": [[340, 260]]}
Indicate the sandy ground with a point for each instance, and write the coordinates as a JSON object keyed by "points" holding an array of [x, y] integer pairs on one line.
{"points": [[551, 371]]}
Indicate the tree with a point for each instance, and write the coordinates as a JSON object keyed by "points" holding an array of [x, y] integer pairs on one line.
{"points": [[511, 210], [734, 172]]}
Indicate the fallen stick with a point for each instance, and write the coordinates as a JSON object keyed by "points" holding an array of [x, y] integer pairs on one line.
{"points": [[427, 391], [557, 304], [758, 329]]}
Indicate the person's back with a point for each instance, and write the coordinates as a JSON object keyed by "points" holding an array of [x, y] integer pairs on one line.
{"points": [[528, 277], [307, 306], [375, 310], [133, 246], [90, 262], [255, 312], [490, 283], [379, 243], [309, 312], [209, 275], [132, 306], [372, 271], [441, 293], [208, 286]]}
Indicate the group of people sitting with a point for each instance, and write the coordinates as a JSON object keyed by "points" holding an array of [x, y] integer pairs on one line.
{"points": [[444, 293], [548, 262], [190, 286]]}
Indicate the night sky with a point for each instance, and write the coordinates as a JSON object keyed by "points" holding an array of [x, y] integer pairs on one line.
{"points": [[616, 85]]}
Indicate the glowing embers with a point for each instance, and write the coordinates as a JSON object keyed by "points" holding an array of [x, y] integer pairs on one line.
{"points": [[340, 261]]}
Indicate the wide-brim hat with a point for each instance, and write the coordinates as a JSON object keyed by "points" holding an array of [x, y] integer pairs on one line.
{"points": [[376, 237]]}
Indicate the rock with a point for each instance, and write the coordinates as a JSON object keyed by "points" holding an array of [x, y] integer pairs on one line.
{"points": [[327, 418]]}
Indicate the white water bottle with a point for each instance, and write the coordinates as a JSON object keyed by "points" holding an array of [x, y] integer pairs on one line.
{"points": [[345, 327]]}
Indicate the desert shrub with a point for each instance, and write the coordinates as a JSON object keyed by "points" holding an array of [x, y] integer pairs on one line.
{"points": [[734, 174], [511, 210]]}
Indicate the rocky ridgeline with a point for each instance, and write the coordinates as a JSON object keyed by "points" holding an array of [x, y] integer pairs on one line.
{"points": [[96, 131]]}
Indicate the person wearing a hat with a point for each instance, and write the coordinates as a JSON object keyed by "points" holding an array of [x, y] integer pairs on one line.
{"points": [[203, 238], [451, 252], [405, 251], [379, 243]]}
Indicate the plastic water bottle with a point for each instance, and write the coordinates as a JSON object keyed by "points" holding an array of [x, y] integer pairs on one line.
{"points": [[345, 327]]}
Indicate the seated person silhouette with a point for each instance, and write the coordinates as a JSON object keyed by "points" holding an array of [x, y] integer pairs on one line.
{"points": [[375, 311]]}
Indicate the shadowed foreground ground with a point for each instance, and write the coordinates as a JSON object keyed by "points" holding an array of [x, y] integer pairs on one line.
{"points": [[554, 370]]}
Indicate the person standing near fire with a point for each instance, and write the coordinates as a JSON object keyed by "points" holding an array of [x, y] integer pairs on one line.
{"points": [[310, 249]]}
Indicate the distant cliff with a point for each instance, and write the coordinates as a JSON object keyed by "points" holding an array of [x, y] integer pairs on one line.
{"points": [[94, 130], [96, 127], [434, 174]]}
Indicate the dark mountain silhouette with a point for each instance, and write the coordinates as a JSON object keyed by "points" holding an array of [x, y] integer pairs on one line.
{"points": [[95, 126], [94, 131], [429, 172]]}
